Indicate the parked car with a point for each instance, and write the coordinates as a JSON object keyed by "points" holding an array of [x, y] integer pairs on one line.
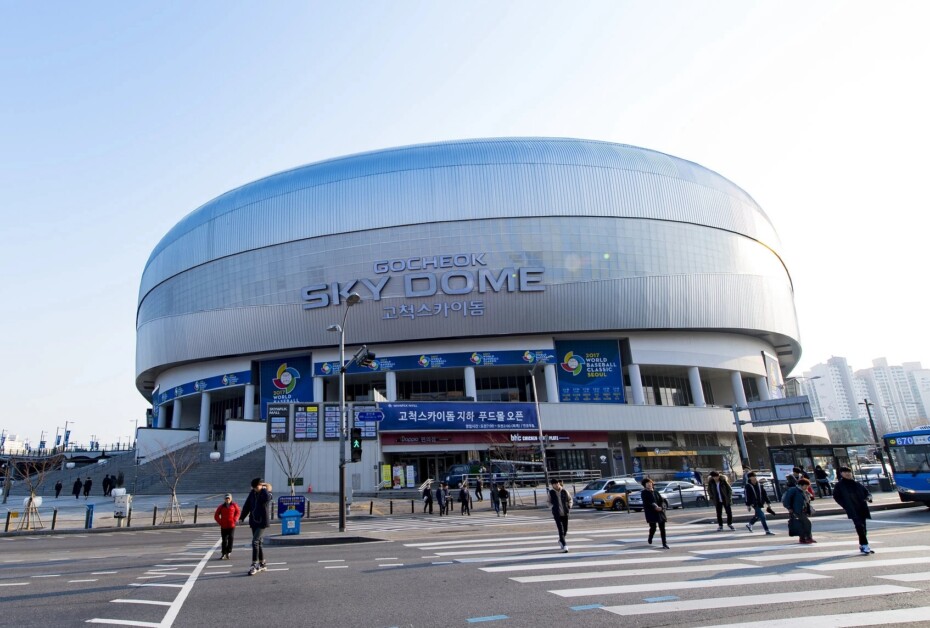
{"points": [[584, 497], [870, 475], [739, 491], [614, 498], [690, 494]]}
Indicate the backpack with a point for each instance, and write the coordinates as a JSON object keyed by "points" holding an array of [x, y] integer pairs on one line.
{"points": [[786, 498]]}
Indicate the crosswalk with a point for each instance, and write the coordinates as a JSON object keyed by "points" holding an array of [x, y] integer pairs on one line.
{"points": [[710, 574], [429, 522]]}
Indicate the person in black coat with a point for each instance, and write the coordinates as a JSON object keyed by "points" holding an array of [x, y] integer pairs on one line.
{"points": [[823, 482], [853, 497], [561, 504], [58, 486], [88, 483], [441, 498], [427, 499], [257, 508], [756, 499], [654, 507], [76, 489]]}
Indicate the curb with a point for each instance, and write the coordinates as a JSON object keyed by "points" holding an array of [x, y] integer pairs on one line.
{"points": [[744, 518]]}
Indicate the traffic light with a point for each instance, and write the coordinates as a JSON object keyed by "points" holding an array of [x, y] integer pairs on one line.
{"points": [[356, 444], [367, 358]]}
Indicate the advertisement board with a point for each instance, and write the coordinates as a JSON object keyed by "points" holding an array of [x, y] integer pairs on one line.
{"points": [[448, 415], [287, 380], [589, 371], [277, 424]]}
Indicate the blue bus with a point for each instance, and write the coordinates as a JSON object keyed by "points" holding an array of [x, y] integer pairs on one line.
{"points": [[910, 461]]}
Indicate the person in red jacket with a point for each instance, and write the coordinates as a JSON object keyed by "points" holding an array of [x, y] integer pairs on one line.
{"points": [[227, 515]]}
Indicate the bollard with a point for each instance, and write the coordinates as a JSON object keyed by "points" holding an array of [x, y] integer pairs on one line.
{"points": [[371, 507], [392, 511], [89, 517], [54, 517], [412, 507], [154, 514], [195, 513], [129, 517], [681, 500], [9, 515], [535, 501]]}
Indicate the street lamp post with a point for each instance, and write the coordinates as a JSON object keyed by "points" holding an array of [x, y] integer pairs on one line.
{"points": [[64, 438], [351, 300], [542, 442], [878, 446], [744, 453], [784, 387]]}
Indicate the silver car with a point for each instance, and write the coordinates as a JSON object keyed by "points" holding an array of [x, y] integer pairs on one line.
{"points": [[689, 495]]}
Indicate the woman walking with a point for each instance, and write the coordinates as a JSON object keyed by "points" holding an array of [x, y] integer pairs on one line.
{"points": [[798, 502], [654, 507]]}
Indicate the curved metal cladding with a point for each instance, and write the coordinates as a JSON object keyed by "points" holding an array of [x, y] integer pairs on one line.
{"points": [[519, 236]]}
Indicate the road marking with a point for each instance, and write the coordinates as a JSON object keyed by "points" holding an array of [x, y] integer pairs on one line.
{"points": [[149, 577], [664, 598], [337, 567], [688, 584], [218, 573], [586, 607], [867, 564], [475, 620], [18, 560], [391, 565], [791, 597], [335, 560], [13, 584], [591, 575], [175, 608], [810, 555], [393, 558], [102, 573], [550, 556], [756, 548], [909, 577], [55, 575], [588, 563], [153, 602], [155, 584], [444, 562], [288, 568], [123, 622], [88, 580], [869, 618]]}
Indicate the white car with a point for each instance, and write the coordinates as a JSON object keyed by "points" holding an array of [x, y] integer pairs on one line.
{"points": [[584, 497], [676, 493]]}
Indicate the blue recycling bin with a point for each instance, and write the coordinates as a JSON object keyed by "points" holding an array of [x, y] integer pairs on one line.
{"points": [[290, 522]]}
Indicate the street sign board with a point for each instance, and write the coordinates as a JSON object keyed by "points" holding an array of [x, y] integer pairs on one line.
{"points": [[781, 411], [370, 415]]}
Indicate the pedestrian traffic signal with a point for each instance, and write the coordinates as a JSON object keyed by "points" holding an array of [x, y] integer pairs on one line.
{"points": [[356, 444]]}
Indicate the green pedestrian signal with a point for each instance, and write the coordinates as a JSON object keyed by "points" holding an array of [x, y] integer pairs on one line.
{"points": [[356, 442]]}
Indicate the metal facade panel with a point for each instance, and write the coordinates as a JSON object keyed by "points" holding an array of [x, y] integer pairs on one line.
{"points": [[454, 181]]}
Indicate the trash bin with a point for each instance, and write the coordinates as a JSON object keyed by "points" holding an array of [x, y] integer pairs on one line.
{"points": [[89, 517], [884, 484], [290, 522]]}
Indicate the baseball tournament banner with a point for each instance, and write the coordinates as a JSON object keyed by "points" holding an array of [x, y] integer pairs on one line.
{"points": [[287, 380], [589, 371]]}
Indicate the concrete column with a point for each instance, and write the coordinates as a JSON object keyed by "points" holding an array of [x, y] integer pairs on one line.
{"points": [[697, 391], [739, 394], [176, 415], [471, 388], [248, 408], [202, 435], [390, 384], [552, 384], [762, 383], [636, 383], [162, 421], [319, 385]]}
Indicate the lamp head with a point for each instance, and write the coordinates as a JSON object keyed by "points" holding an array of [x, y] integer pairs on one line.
{"points": [[334, 327], [352, 299]]}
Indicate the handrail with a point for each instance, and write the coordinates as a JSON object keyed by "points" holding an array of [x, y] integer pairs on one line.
{"points": [[167, 450], [244, 450]]}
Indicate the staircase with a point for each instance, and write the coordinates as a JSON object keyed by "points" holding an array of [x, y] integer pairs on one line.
{"points": [[205, 477]]}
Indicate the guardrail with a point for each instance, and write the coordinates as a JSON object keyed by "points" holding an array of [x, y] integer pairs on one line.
{"points": [[243, 450]]}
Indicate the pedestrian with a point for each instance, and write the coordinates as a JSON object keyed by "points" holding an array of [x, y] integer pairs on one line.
{"points": [[105, 485], [58, 486], [88, 483], [798, 502], [721, 494], [697, 477], [226, 515], [479, 486], [441, 498], [504, 496], [76, 489], [654, 507], [854, 498], [447, 498], [257, 508], [495, 500], [823, 482], [757, 499], [561, 504], [464, 498], [792, 478], [427, 499]]}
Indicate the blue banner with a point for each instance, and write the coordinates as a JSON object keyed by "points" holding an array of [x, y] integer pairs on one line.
{"points": [[285, 380], [426, 361], [590, 371], [201, 385], [446, 415]]}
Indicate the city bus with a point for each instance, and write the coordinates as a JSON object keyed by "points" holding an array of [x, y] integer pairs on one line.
{"points": [[910, 461]]}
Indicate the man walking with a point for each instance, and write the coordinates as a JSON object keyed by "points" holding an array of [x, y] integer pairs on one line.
{"points": [[853, 497], [479, 486], [756, 498], [561, 505], [721, 494], [257, 508], [58, 487], [88, 483], [427, 499], [226, 515], [76, 488]]}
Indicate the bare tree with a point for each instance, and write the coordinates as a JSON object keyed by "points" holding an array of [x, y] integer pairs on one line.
{"points": [[292, 457], [170, 467], [33, 473], [731, 457]]}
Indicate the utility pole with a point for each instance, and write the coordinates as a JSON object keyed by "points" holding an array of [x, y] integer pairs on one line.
{"points": [[878, 445]]}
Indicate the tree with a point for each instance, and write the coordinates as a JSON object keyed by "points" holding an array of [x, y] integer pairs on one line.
{"points": [[170, 467], [292, 457], [33, 473]]}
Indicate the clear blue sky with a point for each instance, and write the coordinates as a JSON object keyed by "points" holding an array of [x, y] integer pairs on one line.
{"points": [[117, 119]]}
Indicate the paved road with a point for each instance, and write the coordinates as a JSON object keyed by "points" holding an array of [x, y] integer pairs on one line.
{"points": [[479, 569]]}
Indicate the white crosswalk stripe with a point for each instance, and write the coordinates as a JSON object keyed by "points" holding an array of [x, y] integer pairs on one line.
{"points": [[706, 562], [426, 522]]}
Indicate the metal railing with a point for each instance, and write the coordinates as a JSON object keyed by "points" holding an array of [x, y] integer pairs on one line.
{"points": [[244, 450]]}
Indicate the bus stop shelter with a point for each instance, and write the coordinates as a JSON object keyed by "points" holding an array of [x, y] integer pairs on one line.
{"points": [[830, 457]]}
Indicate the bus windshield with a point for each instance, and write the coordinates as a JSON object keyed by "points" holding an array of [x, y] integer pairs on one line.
{"points": [[910, 458]]}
